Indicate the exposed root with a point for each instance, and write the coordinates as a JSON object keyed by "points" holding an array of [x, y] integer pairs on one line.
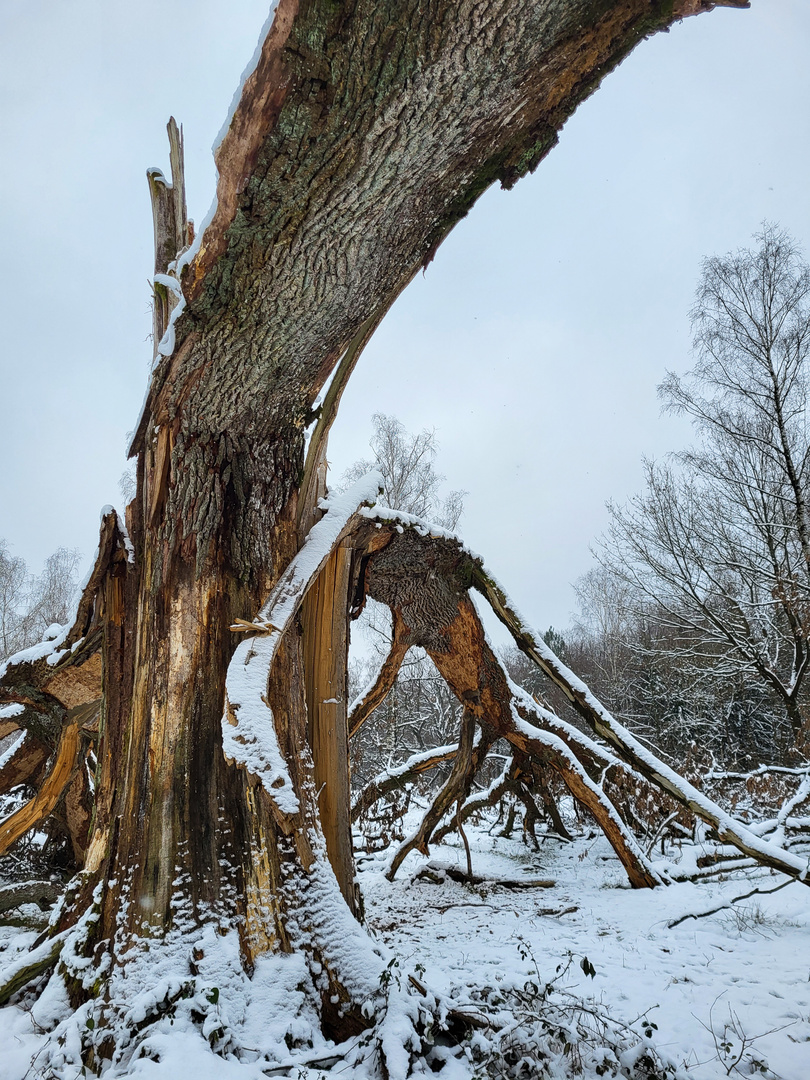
{"points": [[29, 966]]}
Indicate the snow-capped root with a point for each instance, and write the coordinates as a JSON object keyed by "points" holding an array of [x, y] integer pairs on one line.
{"points": [[29, 966], [628, 748], [375, 694], [466, 763], [37, 809]]}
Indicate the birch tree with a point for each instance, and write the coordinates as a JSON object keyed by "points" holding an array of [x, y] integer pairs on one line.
{"points": [[718, 545]]}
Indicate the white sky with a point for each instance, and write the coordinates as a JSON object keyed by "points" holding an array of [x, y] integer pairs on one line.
{"points": [[533, 344]]}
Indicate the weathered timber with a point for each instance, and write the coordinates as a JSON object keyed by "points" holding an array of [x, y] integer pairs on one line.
{"points": [[38, 808], [65, 695], [366, 131], [41, 893], [425, 580], [376, 694], [25, 765], [399, 777], [629, 748], [359, 141], [326, 651], [170, 222], [466, 763]]}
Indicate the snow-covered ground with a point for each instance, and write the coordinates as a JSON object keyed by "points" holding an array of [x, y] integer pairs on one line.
{"points": [[707, 984], [752, 961]]}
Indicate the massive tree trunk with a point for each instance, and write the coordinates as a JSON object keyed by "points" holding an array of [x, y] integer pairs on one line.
{"points": [[365, 132]]}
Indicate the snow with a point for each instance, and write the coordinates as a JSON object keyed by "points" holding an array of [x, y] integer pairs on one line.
{"points": [[169, 282], [248, 731], [15, 744], [749, 961], [166, 343], [48, 650], [411, 521], [727, 826]]}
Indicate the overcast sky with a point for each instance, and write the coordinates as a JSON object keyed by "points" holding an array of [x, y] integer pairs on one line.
{"points": [[533, 344]]}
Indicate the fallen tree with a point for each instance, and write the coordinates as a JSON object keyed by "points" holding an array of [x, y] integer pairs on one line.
{"points": [[363, 134]]}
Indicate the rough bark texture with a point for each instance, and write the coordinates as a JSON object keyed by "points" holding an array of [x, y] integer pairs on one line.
{"points": [[366, 132], [424, 580]]}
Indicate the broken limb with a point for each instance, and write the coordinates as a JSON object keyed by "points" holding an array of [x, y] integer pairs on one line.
{"points": [[480, 801], [23, 762], [400, 776], [57, 687], [467, 762], [38, 808], [248, 730], [41, 893], [424, 578], [725, 906], [375, 694], [627, 746]]}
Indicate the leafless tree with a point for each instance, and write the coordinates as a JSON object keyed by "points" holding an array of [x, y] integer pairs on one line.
{"points": [[29, 604], [13, 595], [719, 542], [407, 464], [365, 132]]}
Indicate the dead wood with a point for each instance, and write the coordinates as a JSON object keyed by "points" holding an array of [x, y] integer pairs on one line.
{"points": [[26, 764], [424, 579], [61, 705], [466, 764], [480, 801], [365, 133], [641, 759], [466, 878], [41, 893], [726, 906], [376, 694], [325, 645], [41, 959], [57, 779], [399, 777]]}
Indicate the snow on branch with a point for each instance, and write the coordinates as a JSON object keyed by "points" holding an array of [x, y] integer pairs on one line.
{"points": [[248, 729], [628, 747]]}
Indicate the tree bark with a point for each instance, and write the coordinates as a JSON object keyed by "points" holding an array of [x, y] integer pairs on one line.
{"points": [[365, 132]]}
